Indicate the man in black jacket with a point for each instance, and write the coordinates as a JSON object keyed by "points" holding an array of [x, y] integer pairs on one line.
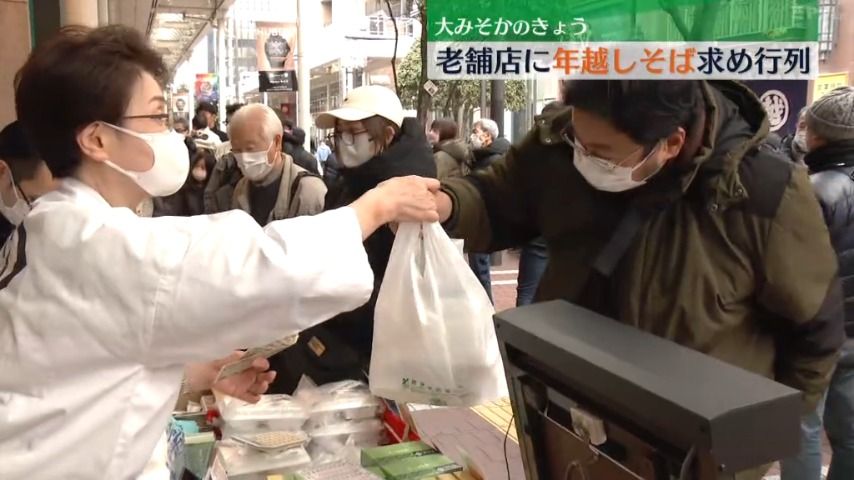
{"points": [[830, 144], [211, 114], [293, 146]]}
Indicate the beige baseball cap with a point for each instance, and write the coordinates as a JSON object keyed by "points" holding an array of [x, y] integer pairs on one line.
{"points": [[364, 102]]}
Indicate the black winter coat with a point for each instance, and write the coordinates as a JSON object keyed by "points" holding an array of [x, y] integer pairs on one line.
{"points": [[341, 347], [483, 157], [301, 156], [832, 174]]}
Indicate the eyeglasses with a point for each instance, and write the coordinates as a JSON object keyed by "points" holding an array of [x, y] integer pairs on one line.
{"points": [[568, 136], [163, 118], [348, 138]]}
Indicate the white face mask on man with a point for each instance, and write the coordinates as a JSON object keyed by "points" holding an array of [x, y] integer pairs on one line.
{"points": [[171, 162], [475, 140], [16, 213], [358, 152], [607, 176], [255, 165]]}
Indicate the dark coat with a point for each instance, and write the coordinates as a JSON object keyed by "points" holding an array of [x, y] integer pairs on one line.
{"points": [[832, 174], [484, 157], [341, 347], [731, 256], [301, 156], [187, 202], [453, 159]]}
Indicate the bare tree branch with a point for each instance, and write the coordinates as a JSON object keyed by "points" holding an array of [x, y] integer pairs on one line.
{"points": [[396, 39]]}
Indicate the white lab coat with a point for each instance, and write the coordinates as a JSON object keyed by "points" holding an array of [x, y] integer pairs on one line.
{"points": [[95, 330]]}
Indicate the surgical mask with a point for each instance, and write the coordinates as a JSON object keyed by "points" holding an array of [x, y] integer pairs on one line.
{"points": [[476, 142], [199, 174], [171, 162], [358, 153], [604, 175], [18, 211], [801, 140], [432, 137], [254, 165]]}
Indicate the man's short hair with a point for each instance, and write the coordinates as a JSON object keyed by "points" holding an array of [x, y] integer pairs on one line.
{"points": [[199, 122], [207, 107], [17, 151], [645, 110], [233, 108], [80, 76], [271, 123], [298, 136], [489, 126]]}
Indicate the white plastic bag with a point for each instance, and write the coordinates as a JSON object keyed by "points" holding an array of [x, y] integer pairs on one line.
{"points": [[434, 338]]}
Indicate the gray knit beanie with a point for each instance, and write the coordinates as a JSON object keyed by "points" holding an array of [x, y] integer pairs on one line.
{"points": [[831, 117]]}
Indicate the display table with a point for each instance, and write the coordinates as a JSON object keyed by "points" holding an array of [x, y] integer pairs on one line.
{"points": [[477, 433]]}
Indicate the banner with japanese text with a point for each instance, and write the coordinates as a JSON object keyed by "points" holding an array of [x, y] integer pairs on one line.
{"points": [[623, 39]]}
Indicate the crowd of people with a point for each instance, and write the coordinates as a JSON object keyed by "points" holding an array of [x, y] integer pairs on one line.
{"points": [[660, 204]]}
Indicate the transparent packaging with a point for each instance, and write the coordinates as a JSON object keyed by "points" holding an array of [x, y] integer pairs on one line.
{"points": [[244, 463], [271, 413]]}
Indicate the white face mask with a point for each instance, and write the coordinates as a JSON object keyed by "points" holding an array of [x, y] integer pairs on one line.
{"points": [[604, 175], [357, 154], [801, 140], [18, 211], [199, 174], [433, 137], [254, 165], [476, 142], [171, 162]]}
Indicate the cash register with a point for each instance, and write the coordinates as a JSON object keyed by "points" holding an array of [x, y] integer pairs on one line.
{"points": [[596, 399]]}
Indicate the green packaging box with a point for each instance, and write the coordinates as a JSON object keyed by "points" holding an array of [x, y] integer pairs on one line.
{"points": [[372, 457], [376, 471], [415, 468]]}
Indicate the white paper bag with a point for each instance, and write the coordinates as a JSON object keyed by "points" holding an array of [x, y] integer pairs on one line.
{"points": [[434, 337]]}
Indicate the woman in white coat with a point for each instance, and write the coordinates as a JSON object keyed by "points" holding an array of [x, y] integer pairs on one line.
{"points": [[102, 308]]}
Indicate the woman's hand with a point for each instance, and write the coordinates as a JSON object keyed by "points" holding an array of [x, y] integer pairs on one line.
{"points": [[403, 199], [248, 385]]}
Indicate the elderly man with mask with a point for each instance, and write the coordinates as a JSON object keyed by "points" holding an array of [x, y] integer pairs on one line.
{"points": [[273, 186]]}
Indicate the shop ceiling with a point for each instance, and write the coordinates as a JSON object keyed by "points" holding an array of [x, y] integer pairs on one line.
{"points": [[173, 26]]}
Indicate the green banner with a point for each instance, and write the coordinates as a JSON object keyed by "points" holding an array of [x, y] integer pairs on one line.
{"points": [[622, 20]]}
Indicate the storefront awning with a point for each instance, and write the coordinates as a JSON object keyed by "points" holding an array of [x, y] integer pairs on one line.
{"points": [[173, 26]]}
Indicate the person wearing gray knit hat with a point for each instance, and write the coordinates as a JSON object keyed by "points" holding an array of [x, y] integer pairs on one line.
{"points": [[830, 139], [831, 118]]}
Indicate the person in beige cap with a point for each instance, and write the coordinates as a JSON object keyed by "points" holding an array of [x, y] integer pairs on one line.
{"points": [[373, 143], [830, 158]]}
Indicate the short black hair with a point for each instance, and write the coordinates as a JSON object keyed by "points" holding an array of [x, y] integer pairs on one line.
{"points": [[286, 122], [645, 110], [17, 151], [234, 107], [79, 76], [199, 122], [207, 107], [299, 136]]}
